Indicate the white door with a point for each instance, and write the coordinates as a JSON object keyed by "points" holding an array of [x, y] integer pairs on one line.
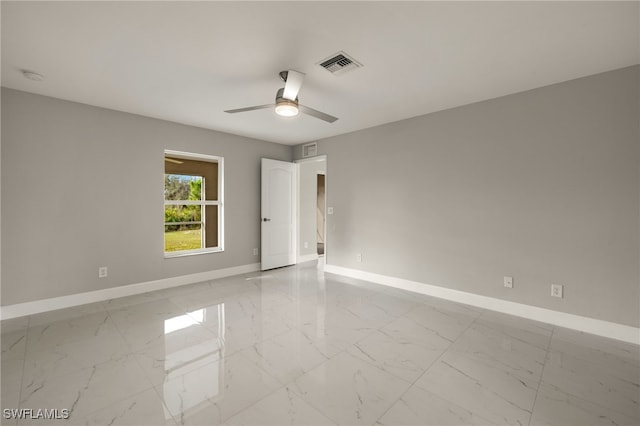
{"points": [[278, 245]]}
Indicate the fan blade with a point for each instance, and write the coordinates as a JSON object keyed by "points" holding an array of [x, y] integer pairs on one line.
{"points": [[317, 114], [292, 85], [233, 111]]}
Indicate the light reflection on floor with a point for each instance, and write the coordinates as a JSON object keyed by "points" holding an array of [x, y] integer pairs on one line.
{"points": [[293, 346]]}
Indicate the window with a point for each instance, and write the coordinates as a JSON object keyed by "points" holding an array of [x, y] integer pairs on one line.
{"points": [[193, 204]]}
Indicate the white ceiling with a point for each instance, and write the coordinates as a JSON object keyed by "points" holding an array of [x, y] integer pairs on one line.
{"points": [[188, 62]]}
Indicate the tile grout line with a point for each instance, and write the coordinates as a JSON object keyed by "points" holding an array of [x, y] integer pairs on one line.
{"points": [[476, 318], [419, 304], [342, 351], [237, 352], [285, 387], [546, 358], [583, 399], [130, 353], [224, 421], [329, 358], [116, 402], [24, 363], [85, 368], [133, 354], [427, 370], [291, 382]]}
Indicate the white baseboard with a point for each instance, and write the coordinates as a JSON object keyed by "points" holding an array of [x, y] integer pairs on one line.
{"points": [[45, 305], [588, 325], [307, 258]]}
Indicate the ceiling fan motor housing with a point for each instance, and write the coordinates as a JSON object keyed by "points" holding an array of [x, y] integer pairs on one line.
{"points": [[285, 106], [280, 98]]}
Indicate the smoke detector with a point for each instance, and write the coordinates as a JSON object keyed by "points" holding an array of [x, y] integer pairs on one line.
{"points": [[31, 75]]}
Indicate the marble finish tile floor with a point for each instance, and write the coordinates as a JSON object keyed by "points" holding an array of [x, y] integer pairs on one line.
{"points": [[295, 346]]}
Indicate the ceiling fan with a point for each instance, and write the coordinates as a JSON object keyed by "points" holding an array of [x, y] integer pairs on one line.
{"points": [[287, 99]]}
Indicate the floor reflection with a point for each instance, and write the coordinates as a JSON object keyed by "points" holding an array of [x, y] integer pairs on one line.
{"points": [[195, 373]]}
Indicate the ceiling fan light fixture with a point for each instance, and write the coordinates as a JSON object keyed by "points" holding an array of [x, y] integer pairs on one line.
{"points": [[286, 108]]}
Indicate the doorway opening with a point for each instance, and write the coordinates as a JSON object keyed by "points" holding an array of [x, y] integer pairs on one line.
{"points": [[320, 209], [312, 223]]}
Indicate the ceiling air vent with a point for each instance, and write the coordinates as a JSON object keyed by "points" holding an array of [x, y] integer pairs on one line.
{"points": [[309, 150], [339, 63]]}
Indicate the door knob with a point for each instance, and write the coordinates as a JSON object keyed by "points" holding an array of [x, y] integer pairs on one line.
{"points": [[264, 219]]}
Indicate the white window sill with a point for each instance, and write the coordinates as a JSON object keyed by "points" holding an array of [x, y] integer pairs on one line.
{"points": [[183, 253]]}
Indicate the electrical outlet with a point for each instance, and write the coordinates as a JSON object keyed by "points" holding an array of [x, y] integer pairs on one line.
{"points": [[556, 290], [359, 257], [508, 282], [306, 244], [255, 251], [102, 272]]}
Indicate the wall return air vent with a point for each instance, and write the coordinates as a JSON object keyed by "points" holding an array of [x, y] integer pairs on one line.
{"points": [[309, 150], [339, 63]]}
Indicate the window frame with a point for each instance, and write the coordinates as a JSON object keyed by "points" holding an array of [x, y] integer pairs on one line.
{"points": [[219, 202]]}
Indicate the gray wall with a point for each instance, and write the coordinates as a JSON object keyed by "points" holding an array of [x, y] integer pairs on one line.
{"points": [[542, 185], [307, 205], [82, 187]]}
